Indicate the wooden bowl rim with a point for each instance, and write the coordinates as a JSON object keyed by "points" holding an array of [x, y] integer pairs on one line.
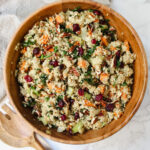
{"points": [[144, 80]]}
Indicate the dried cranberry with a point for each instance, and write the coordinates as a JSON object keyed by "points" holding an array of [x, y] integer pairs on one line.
{"points": [[71, 100], [102, 22], [61, 66], [76, 27], [70, 132], [81, 92], [86, 112], [61, 103], [99, 97], [96, 12], [118, 54], [54, 63], [93, 41], [110, 107], [121, 65], [81, 51], [115, 61], [76, 116], [36, 51], [63, 117], [28, 78], [100, 114]]}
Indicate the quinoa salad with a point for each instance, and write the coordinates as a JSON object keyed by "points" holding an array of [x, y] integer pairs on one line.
{"points": [[73, 71]]}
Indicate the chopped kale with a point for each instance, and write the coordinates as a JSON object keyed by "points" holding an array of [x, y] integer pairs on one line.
{"points": [[92, 81], [67, 30], [124, 84], [34, 90], [64, 53], [78, 9], [44, 56], [91, 10], [55, 49], [60, 97], [118, 64], [43, 78], [88, 73], [29, 42], [75, 53], [47, 98], [89, 53], [30, 103]]}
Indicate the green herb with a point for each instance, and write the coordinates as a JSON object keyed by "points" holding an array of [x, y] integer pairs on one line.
{"points": [[43, 78], [50, 112], [28, 42], [64, 53], [118, 64], [112, 35], [91, 10], [77, 9], [82, 110], [119, 47], [97, 43], [35, 80], [75, 53], [92, 81], [60, 97], [88, 73], [89, 52], [55, 49], [53, 126], [124, 84], [30, 103], [70, 45], [34, 90], [44, 56], [47, 98]]}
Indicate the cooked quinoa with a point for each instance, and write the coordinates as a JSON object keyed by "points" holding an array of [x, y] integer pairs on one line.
{"points": [[73, 71]]}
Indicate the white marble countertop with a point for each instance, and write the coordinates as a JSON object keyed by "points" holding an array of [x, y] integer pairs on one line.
{"points": [[136, 134]]}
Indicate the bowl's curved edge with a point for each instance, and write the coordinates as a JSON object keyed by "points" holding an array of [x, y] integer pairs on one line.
{"points": [[116, 129]]}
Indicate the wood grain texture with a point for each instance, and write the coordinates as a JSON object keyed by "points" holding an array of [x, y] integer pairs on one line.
{"points": [[15, 132], [125, 32]]}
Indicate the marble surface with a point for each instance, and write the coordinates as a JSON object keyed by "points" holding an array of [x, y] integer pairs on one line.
{"points": [[136, 134]]}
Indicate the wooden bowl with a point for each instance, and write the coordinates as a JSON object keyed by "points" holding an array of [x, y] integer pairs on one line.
{"points": [[125, 32]]}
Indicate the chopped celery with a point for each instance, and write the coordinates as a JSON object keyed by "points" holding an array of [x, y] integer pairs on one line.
{"points": [[34, 91], [87, 95], [45, 122], [79, 39], [70, 91], [78, 128], [104, 27]]}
